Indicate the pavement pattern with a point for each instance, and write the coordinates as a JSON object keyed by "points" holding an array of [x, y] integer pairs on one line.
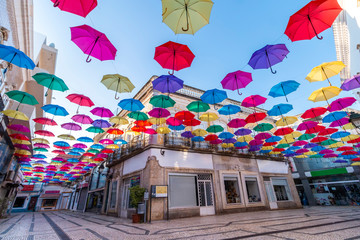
{"points": [[308, 223]]}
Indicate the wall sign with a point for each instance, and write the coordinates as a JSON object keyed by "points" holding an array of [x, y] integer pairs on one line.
{"points": [[159, 191]]}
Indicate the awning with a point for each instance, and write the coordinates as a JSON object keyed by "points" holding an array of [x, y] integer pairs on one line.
{"points": [[50, 196]]}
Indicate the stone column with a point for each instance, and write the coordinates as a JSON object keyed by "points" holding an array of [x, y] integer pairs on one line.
{"points": [[307, 190]]}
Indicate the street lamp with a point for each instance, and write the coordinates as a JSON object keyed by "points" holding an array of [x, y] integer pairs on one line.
{"points": [[355, 119]]}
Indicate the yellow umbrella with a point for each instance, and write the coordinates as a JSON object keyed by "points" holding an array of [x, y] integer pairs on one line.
{"points": [[18, 141], [66, 137], [246, 138], [355, 164], [295, 134], [310, 153], [286, 121], [112, 146], [15, 114], [156, 121], [199, 132], [350, 137], [40, 140], [324, 94], [301, 156], [348, 126], [336, 145], [267, 148], [163, 130], [186, 16], [132, 132], [273, 153], [325, 71], [209, 117], [119, 120], [22, 152], [117, 83], [227, 145], [287, 139]]}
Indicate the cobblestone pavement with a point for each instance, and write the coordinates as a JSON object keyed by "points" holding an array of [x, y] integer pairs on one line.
{"points": [[309, 223]]}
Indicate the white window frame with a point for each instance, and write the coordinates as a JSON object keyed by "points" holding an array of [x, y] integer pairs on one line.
{"points": [[290, 197], [244, 175], [187, 175], [226, 173]]}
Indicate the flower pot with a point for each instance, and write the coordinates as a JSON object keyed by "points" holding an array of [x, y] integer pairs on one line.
{"points": [[136, 218]]}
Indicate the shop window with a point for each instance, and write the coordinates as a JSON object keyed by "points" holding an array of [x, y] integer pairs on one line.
{"points": [[252, 189], [182, 191], [49, 202], [19, 202], [134, 181], [232, 191], [113, 194], [281, 189]]}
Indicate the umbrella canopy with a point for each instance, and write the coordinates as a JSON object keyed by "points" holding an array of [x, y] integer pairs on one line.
{"points": [[199, 132], [229, 109], [285, 121], [15, 114], [307, 125], [191, 122], [81, 118], [262, 127], [236, 80], [173, 121], [198, 106], [95, 129], [119, 120], [174, 56], [313, 112], [351, 83], [283, 131], [55, 110], [280, 109], [71, 126], [16, 57], [187, 134], [162, 101], [159, 113], [340, 122], [184, 115], [50, 81], [80, 100], [334, 116], [209, 117], [186, 17], [341, 103], [102, 112], [18, 127], [156, 121], [163, 130], [312, 19], [268, 56], [327, 131], [44, 133], [215, 129], [284, 88], [324, 94], [213, 96], [45, 121], [131, 104], [67, 137], [255, 117], [237, 123], [22, 97], [115, 131], [101, 123], [93, 43], [325, 71], [168, 84], [138, 116], [253, 101], [78, 7], [117, 83]]}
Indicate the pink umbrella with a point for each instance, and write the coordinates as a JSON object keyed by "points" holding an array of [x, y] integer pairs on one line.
{"points": [[79, 145], [236, 80], [307, 125], [102, 112], [302, 150], [102, 155], [173, 121], [22, 146], [80, 100], [255, 142], [25, 159], [159, 113], [78, 7], [253, 101], [93, 43], [341, 103], [340, 122], [106, 141], [262, 136], [331, 155], [71, 126], [326, 151], [150, 131], [83, 119], [44, 133], [214, 142], [41, 145], [237, 123], [18, 127], [300, 143]]}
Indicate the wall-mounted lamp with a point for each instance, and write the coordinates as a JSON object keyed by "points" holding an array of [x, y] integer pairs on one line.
{"points": [[162, 152]]}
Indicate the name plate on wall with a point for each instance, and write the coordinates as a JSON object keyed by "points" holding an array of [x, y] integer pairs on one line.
{"points": [[159, 191]]}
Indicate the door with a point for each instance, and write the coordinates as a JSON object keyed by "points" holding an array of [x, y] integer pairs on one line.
{"points": [[205, 195], [32, 203], [64, 202], [125, 199], [270, 195]]}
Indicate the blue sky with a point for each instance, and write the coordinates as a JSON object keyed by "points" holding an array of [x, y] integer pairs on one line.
{"points": [[237, 28]]}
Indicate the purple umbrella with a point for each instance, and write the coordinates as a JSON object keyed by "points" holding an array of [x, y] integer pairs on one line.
{"points": [[255, 142], [268, 56], [340, 161], [187, 134], [19, 128], [262, 136], [71, 126], [79, 145], [229, 140], [41, 162], [341, 103], [167, 84], [340, 122], [310, 145], [102, 112], [242, 132], [307, 125], [351, 83], [81, 118], [24, 159], [331, 155], [326, 151], [159, 113], [102, 155], [101, 123], [22, 146], [217, 141], [41, 145], [236, 80], [254, 148]]}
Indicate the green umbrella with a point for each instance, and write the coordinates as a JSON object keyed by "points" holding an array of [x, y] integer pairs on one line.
{"points": [[162, 101], [40, 150], [215, 129], [95, 130], [22, 97], [316, 156], [263, 127], [198, 106], [306, 136], [50, 81], [91, 150], [283, 145], [138, 116], [328, 142]]}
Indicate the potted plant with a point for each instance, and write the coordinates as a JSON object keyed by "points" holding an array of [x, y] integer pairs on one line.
{"points": [[136, 197]]}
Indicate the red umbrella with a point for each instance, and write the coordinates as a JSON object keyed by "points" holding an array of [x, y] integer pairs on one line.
{"points": [[58, 151], [237, 123], [318, 139], [115, 131], [211, 137], [283, 131], [312, 19], [255, 117], [355, 159], [19, 136], [173, 121], [253, 101], [354, 141], [80, 100], [150, 131], [45, 121], [44, 133], [174, 56], [87, 154], [93, 43], [142, 123], [270, 144], [314, 112], [78, 7], [192, 122], [278, 150], [106, 150], [184, 115], [327, 131], [349, 153], [315, 129], [345, 148], [138, 129]]}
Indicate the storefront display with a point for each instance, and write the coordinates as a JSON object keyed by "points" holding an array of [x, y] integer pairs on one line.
{"points": [[232, 189]]}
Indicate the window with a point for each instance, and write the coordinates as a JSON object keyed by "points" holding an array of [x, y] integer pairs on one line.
{"points": [[49, 202], [134, 181], [232, 192], [19, 202], [252, 189], [182, 191], [281, 189], [113, 194], [94, 180]]}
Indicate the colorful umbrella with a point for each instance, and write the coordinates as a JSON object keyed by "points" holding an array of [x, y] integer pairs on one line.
{"points": [[341, 103], [199, 132], [131, 104], [229, 109], [191, 122], [102, 112], [176, 128], [44, 133], [55, 110], [174, 56], [324, 94], [268, 56], [340, 122], [351, 83], [101, 123], [159, 113], [215, 129], [22, 97], [18, 127], [95, 129], [236, 80], [283, 89], [187, 134], [15, 114], [198, 106], [237, 123], [93, 43], [313, 112], [325, 71], [81, 118], [253, 101], [255, 117], [16, 57], [119, 120], [162, 101], [173, 121], [168, 84], [312, 19], [285, 121], [262, 127], [50, 81], [78, 7], [186, 16], [327, 131], [334, 116], [307, 125], [66, 137], [138, 116], [209, 117], [184, 115], [71, 126], [80, 100], [163, 130], [213, 96], [280, 109], [117, 83], [243, 132]]}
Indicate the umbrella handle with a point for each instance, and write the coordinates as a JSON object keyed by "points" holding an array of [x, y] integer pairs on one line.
{"points": [[88, 59], [239, 92], [116, 97], [312, 25], [171, 72], [56, 3], [272, 71], [187, 20]]}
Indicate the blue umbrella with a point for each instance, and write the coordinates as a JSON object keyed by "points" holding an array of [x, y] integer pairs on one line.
{"points": [[55, 110], [349, 156], [74, 154], [73, 160], [85, 139], [79, 150], [177, 128], [131, 105], [16, 57], [61, 144], [120, 141], [101, 123], [283, 89], [240, 144], [334, 116], [340, 134], [197, 139], [167, 84], [243, 132], [293, 148], [268, 56], [42, 156], [229, 109], [213, 96], [264, 151], [273, 139], [97, 146], [280, 109], [225, 135], [287, 151], [318, 148]]}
